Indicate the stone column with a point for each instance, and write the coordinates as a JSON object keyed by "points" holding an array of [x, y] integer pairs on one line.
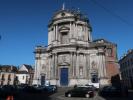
{"points": [[56, 67], [70, 32], [71, 62], [85, 68], [76, 31], [86, 33], [88, 66], [74, 64], [52, 67], [77, 66], [35, 80], [38, 69], [102, 68], [48, 37], [54, 35], [103, 64], [49, 68], [51, 35], [90, 35], [57, 32]]}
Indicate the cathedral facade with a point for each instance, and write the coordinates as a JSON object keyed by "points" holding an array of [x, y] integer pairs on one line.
{"points": [[72, 57]]}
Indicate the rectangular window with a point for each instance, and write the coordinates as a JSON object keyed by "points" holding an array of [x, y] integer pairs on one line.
{"points": [[109, 51]]}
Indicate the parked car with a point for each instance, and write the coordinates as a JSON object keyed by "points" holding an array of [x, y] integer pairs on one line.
{"points": [[50, 88], [80, 92], [111, 91]]}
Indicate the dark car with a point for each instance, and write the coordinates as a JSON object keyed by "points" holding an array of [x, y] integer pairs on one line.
{"points": [[32, 89], [80, 92], [50, 89], [110, 91]]}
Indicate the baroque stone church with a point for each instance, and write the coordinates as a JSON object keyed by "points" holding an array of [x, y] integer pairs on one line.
{"points": [[72, 57]]}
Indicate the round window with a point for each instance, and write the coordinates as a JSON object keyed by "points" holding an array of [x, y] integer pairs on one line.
{"points": [[62, 14]]}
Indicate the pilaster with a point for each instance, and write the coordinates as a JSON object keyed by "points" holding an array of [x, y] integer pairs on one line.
{"points": [[70, 32], [77, 66], [54, 35], [74, 64], [56, 32], [85, 68], [71, 65], [56, 67]]}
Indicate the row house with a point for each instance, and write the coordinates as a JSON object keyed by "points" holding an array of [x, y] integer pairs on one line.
{"points": [[11, 75], [7, 74], [25, 74], [126, 68]]}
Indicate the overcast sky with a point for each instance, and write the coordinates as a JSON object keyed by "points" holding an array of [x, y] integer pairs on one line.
{"points": [[23, 25]]}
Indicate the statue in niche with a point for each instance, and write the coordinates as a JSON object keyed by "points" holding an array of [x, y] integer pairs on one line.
{"points": [[93, 64]]}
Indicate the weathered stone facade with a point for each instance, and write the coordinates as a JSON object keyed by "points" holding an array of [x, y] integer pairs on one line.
{"points": [[71, 56]]}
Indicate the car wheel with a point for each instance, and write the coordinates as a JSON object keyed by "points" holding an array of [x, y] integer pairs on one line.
{"points": [[69, 95], [87, 95]]}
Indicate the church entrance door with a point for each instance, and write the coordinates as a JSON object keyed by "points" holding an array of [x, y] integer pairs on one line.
{"points": [[64, 77], [42, 79]]}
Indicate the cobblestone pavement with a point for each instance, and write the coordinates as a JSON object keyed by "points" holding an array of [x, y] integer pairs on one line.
{"points": [[60, 96]]}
